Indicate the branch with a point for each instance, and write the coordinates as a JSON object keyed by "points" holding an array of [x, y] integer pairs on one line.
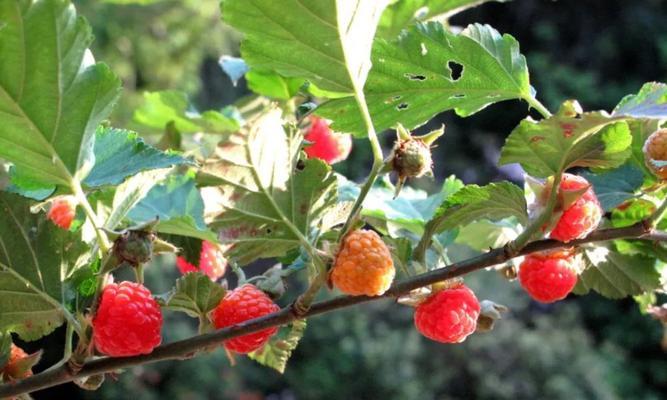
{"points": [[188, 348]]}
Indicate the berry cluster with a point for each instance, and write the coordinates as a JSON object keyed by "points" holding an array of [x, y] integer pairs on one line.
{"points": [[549, 276]]}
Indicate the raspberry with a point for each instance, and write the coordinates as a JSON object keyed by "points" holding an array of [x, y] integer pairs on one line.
{"points": [[363, 265], [62, 212], [448, 316], [332, 147], [211, 262], [242, 304], [128, 321], [411, 158], [13, 369], [549, 276], [655, 153], [583, 216]]}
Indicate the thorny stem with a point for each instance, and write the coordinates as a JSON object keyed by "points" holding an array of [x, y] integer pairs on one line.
{"points": [[185, 348]]}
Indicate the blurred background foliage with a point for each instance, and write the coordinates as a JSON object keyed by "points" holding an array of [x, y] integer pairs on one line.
{"points": [[583, 348]]}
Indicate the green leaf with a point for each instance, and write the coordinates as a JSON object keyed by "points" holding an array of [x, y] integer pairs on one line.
{"points": [[632, 212], [278, 350], [268, 198], [403, 13], [35, 257], [52, 95], [5, 348], [564, 141], [616, 186], [615, 275], [120, 153], [27, 187], [179, 207], [650, 102], [494, 202], [483, 235], [327, 42], [271, 84], [195, 294], [161, 108], [131, 192], [420, 75]]}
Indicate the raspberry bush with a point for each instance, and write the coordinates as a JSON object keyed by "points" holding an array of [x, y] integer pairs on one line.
{"points": [[84, 202]]}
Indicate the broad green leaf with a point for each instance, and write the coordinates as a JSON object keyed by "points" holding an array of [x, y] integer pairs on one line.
{"points": [[327, 42], [429, 70], [271, 84], [131, 192], [402, 13], [52, 94], [650, 102], [615, 275], [566, 140], [27, 187], [195, 294], [161, 108], [483, 235], [278, 350], [35, 257], [616, 186], [120, 153], [494, 202], [179, 207], [267, 197]]}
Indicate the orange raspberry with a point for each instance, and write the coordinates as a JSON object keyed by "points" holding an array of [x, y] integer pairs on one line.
{"points": [[363, 265], [655, 153]]}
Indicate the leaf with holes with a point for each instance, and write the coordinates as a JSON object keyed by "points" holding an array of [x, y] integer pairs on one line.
{"points": [[615, 275], [276, 353], [52, 94], [35, 257], [494, 202], [327, 42], [429, 70], [567, 140], [195, 294], [650, 102], [161, 108], [270, 200], [402, 13]]}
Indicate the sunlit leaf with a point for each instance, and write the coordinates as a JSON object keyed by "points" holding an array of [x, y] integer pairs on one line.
{"points": [[276, 353]]}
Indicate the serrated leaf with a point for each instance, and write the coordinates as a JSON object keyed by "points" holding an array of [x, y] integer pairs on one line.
{"points": [[327, 42], [616, 275], [472, 203], [161, 108], [265, 193], [402, 13], [195, 294], [35, 257], [179, 207], [121, 153], [649, 102], [276, 353], [52, 95], [616, 186], [560, 142], [416, 77], [131, 192]]}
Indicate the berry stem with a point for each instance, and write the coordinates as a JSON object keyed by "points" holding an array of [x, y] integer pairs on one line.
{"points": [[185, 348], [102, 239], [537, 105]]}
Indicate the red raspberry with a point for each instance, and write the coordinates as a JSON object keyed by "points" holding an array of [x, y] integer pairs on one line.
{"points": [[13, 370], [582, 217], [448, 316], [549, 276], [242, 304], [211, 262], [62, 212], [363, 265], [332, 147], [128, 321], [655, 153]]}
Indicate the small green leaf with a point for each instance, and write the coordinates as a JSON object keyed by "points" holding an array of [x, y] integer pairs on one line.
{"points": [[616, 186], [120, 153], [429, 70], [615, 275], [271, 84], [52, 94], [402, 13], [472, 203], [564, 141], [278, 350], [161, 108], [650, 102], [179, 207], [195, 294]]}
